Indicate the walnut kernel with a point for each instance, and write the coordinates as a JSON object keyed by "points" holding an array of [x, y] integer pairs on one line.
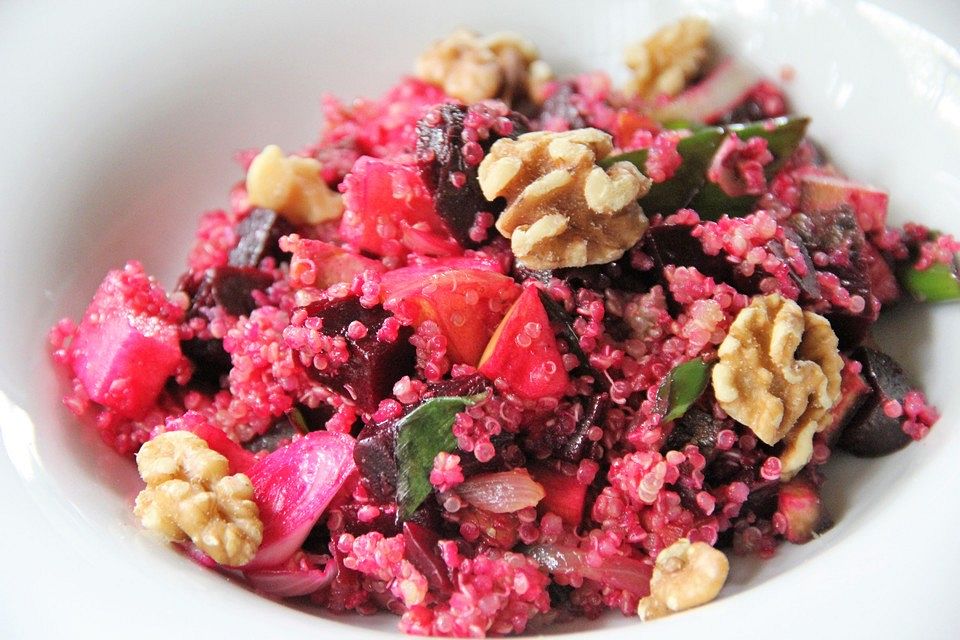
{"points": [[779, 374], [471, 68], [563, 210], [664, 63], [190, 495], [685, 575], [291, 186]]}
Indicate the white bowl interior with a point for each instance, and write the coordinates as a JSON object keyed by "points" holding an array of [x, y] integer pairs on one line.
{"points": [[123, 132]]}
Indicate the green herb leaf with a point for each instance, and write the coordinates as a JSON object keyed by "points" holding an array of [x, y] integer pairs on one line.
{"points": [[783, 136], [697, 151], [421, 435], [681, 388], [937, 283]]}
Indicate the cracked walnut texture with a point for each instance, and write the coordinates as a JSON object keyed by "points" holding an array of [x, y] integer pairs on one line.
{"points": [[563, 210]]}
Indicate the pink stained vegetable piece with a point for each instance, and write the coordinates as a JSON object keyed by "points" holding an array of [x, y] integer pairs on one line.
{"points": [[239, 459], [293, 486], [291, 583], [718, 93], [316, 263], [825, 193], [619, 572], [127, 344]]}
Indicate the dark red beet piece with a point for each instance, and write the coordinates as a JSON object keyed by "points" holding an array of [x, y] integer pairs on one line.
{"points": [[374, 456], [837, 235], [674, 245], [619, 274], [210, 361], [421, 547], [561, 107], [280, 433], [385, 522], [469, 385], [871, 432], [854, 391], [374, 366], [259, 235], [697, 427], [578, 445], [451, 141], [231, 288]]}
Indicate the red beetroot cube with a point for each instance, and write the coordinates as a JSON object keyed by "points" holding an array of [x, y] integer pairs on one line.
{"points": [[373, 364], [127, 344], [523, 351]]}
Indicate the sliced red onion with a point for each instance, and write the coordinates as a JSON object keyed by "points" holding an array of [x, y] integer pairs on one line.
{"points": [[719, 92], [239, 459], [502, 492], [292, 486], [290, 583], [618, 572]]}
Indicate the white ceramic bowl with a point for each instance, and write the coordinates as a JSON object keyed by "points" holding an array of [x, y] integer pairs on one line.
{"points": [[118, 123]]}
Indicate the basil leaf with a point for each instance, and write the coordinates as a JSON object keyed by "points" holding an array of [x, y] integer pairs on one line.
{"points": [[421, 435], [697, 151], [681, 388]]}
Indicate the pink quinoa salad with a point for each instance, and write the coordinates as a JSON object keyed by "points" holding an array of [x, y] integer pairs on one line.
{"points": [[503, 349]]}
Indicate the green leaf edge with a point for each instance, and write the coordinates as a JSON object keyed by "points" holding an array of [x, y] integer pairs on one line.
{"points": [[413, 478], [676, 407]]}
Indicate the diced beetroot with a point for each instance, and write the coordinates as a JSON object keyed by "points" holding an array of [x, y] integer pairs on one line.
{"points": [[258, 237], [799, 503], [374, 457], [764, 100], [315, 263], [381, 196], [451, 141], [292, 486], [231, 288], [127, 344], [825, 193], [210, 361], [854, 391], [565, 495], [579, 445], [523, 351], [836, 237], [717, 94], [874, 430], [421, 548], [697, 427], [374, 365], [466, 304]]}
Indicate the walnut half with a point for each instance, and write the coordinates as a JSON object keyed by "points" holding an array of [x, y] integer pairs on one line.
{"points": [[664, 63], [685, 575], [190, 495], [563, 210], [291, 186], [779, 374], [471, 68]]}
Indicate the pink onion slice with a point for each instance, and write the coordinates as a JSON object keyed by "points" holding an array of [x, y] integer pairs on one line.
{"points": [[292, 486], [619, 572], [239, 459], [719, 92], [290, 583], [502, 492]]}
